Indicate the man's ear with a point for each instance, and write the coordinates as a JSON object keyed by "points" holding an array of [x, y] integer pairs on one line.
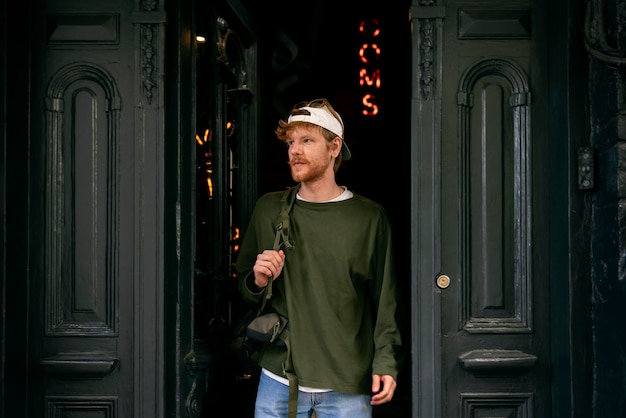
{"points": [[337, 142]]}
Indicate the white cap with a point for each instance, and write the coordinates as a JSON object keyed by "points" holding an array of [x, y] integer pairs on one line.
{"points": [[321, 116]]}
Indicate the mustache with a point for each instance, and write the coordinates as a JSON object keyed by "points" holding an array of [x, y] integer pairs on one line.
{"points": [[296, 160]]}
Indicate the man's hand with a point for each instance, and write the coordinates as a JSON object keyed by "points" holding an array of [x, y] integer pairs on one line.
{"points": [[268, 264], [383, 388]]}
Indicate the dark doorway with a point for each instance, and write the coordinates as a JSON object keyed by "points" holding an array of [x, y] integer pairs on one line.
{"points": [[360, 60]]}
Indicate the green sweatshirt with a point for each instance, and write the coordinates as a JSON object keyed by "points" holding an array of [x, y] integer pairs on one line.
{"points": [[338, 289]]}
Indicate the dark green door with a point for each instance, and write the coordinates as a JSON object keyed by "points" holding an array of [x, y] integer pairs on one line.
{"points": [[96, 226], [481, 282]]}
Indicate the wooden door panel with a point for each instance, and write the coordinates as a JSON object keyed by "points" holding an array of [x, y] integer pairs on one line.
{"points": [[96, 296], [494, 357], [84, 343]]}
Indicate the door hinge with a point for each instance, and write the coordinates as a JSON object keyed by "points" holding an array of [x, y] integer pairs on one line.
{"points": [[586, 168]]}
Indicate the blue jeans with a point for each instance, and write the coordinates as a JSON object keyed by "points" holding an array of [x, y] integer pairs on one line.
{"points": [[272, 402]]}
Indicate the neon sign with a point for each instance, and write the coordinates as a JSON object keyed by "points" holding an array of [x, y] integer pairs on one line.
{"points": [[369, 74]]}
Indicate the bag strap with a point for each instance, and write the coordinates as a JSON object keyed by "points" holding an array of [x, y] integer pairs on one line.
{"points": [[282, 226], [292, 404], [282, 233], [282, 238]]}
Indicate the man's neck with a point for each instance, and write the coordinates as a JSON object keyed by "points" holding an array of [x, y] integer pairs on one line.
{"points": [[320, 191]]}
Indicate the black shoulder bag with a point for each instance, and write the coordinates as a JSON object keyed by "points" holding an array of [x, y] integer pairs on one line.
{"points": [[258, 328], [266, 327]]}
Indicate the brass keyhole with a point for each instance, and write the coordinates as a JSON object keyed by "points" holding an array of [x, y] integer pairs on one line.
{"points": [[443, 281]]}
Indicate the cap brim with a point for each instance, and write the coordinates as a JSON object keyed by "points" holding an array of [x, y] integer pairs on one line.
{"points": [[345, 151]]}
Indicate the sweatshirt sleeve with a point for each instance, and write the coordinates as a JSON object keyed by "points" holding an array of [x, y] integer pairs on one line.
{"points": [[258, 237], [389, 316]]}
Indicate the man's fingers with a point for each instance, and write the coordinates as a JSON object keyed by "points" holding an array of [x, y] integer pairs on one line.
{"points": [[269, 263], [383, 388]]}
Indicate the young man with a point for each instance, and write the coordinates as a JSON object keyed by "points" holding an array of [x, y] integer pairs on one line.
{"points": [[335, 282]]}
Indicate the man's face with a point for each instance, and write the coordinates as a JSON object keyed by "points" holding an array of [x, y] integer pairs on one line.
{"points": [[310, 156]]}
